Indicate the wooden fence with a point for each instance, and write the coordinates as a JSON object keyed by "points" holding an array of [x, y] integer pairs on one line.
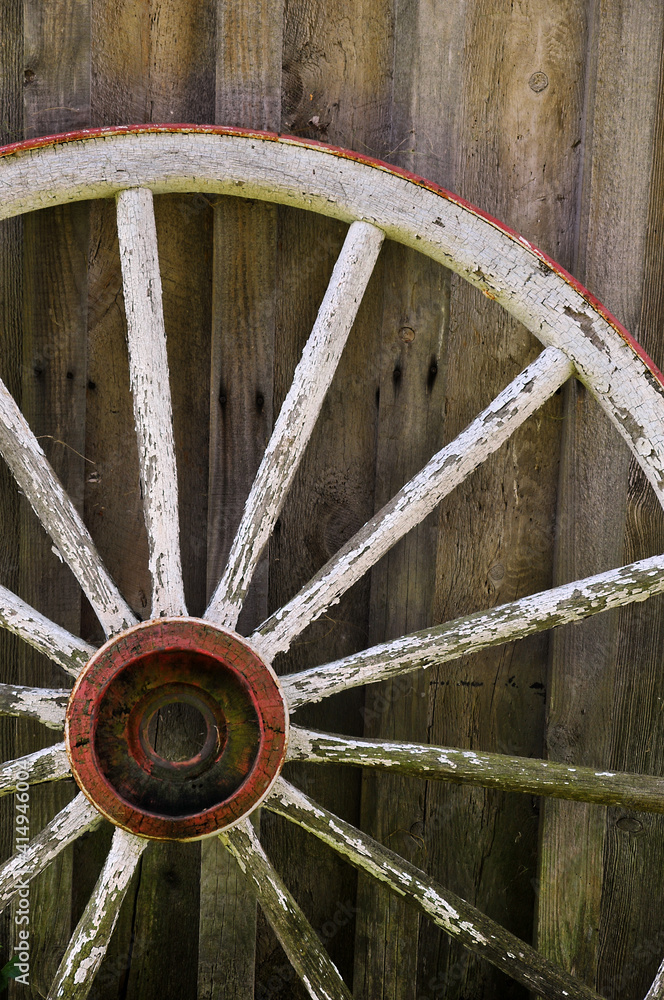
{"points": [[549, 116]]}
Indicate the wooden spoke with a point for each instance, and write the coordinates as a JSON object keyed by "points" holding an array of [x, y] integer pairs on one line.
{"points": [[459, 919], [153, 413], [296, 420], [656, 991], [491, 770], [35, 477], [57, 643], [570, 603], [89, 941], [295, 933], [417, 498], [49, 764], [76, 818], [46, 705]]}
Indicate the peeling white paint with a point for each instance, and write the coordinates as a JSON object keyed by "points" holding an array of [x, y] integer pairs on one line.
{"points": [[521, 774], [46, 705], [475, 934], [418, 498], [457, 917], [298, 939], [89, 942], [150, 386], [49, 764], [57, 643], [505, 623]]}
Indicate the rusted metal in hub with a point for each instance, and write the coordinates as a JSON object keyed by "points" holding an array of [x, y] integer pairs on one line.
{"points": [[110, 723]]}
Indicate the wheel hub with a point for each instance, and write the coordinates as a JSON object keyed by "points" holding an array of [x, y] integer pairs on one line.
{"points": [[120, 700]]}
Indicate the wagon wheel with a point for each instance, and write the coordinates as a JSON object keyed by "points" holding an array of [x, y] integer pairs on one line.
{"points": [[204, 662]]}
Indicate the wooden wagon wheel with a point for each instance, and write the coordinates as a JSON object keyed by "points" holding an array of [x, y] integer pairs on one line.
{"points": [[228, 678]]}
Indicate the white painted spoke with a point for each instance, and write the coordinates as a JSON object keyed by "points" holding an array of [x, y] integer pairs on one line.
{"points": [[490, 770], [297, 418], [50, 764], [295, 933], [54, 641], [89, 942], [656, 991], [418, 498], [46, 705], [35, 477], [559, 606], [458, 918], [75, 819], [153, 413]]}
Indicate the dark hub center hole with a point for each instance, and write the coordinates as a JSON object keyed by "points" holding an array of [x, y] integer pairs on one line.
{"points": [[177, 731]]}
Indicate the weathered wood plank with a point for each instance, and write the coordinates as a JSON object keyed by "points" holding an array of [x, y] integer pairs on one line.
{"points": [[641, 511], [56, 94], [153, 63], [337, 65], [241, 407], [11, 325], [458, 918], [635, 582], [249, 44], [418, 498], [151, 394], [515, 110], [85, 952], [56, 66], [295, 933], [228, 923], [297, 418], [605, 674], [411, 416], [248, 63], [248, 93], [641, 689], [165, 955]]}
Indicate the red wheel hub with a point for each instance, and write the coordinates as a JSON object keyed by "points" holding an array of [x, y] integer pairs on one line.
{"points": [[111, 717]]}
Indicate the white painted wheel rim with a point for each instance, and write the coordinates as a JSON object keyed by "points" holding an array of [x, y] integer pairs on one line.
{"points": [[579, 336]]}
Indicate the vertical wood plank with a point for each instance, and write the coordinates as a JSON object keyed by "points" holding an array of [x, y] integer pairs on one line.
{"points": [[56, 79], [248, 93], [336, 88], [592, 914], [410, 429], [153, 62], [515, 154], [11, 337]]}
